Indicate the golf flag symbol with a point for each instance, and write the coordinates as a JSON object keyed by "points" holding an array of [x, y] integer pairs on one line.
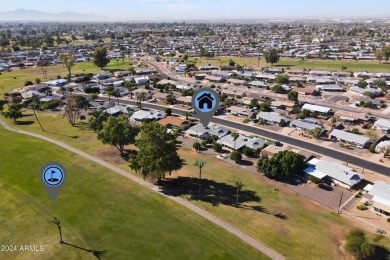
{"points": [[53, 177]]}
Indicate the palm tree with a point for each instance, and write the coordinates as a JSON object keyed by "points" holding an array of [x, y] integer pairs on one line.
{"points": [[200, 165], [239, 185], [316, 132], [140, 97], [187, 115], [63, 90], [57, 222], [235, 136]]}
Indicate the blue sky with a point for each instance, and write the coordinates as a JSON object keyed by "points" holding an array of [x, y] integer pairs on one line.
{"points": [[210, 9]]}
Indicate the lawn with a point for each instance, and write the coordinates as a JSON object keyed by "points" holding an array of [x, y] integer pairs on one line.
{"points": [[288, 223], [99, 209], [330, 65], [17, 77]]}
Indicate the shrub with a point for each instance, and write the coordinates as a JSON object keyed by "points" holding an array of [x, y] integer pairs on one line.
{"points": [[372, 149], [248, 151], [314, 179], [246, 120], [217, 147], [236, 156], [355, 131], [28, 83], [196, 146], [205, 143], [388, 219], [361, 207]]}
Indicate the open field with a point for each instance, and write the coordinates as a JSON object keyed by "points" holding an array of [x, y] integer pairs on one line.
{"points": [[330, 65], [99, 210], [286, 222], [18, 77]]}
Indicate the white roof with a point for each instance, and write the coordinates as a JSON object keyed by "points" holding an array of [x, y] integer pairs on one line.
{"points": [[381, 193], [383, 123], [316, 108], [271, 116], [350, 137], [334, 170]]}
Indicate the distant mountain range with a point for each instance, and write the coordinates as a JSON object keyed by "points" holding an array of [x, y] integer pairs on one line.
{"points": [[34, 15]]}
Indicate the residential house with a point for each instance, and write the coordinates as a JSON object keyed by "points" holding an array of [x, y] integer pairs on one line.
{"points": [[179, 122], [271, 117], [330, 88], [306, 125], [242, 141], [141, 115], [357, 140], [382, 125], [378, 197], [333, 172], [186, 100], [316, 108], [361, 91], [240, 111], [375, 103], [382, 145]]}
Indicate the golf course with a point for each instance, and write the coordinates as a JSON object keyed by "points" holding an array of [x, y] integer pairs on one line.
{"points": [[99, 210]]}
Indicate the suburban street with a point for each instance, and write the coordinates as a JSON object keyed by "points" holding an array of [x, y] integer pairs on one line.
{"points": [[276, 136]]}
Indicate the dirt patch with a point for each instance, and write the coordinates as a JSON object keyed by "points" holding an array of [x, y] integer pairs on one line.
{"points": [[110, 154]]}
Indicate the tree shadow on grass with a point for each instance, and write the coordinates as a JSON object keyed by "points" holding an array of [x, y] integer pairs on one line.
{"points": [[381, 252], [214, 193], [24, 122]]}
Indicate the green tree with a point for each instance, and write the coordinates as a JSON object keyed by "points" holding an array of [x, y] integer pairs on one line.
{"points": [[239, 185], [118, 132], [140, 96], [282, 164], [265, 107], [272, 56], [100, 57], [236, 156], [187, 115], [282, 79], [362, 84], [379, 55], [94, 96], [248, 151], [293, 96], [37, 80], [386, 53], [282, 123], [157, 153], [98, 117], [200, 165], [231, 62], [196, 146], [1, 106], [369, 94], [358, 246], [235, 136], [217, 147], [68, 60], [316, 132], [14, 112], [278, 89], [168, 111]]}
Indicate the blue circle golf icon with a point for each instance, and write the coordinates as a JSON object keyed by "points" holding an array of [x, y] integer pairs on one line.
{"points": [[53, 175], [205, 101]]}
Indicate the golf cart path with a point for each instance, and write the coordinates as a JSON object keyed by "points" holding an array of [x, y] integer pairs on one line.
{"points": [[244, 237]]}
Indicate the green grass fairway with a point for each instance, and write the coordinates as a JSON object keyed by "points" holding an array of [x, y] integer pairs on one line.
{"points": [[99, 209], [295, 64], [297, 236]]}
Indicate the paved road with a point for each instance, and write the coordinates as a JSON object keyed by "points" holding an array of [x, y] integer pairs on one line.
{"points": [[313, 100], [283, 138], [244, 237]]}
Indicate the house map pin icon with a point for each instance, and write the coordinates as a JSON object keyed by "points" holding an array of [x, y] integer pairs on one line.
{"points": [[53, 177], [205, 102]]}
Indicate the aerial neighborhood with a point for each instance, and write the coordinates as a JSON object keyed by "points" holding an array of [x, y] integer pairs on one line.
{"points": [[306, 108]]}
